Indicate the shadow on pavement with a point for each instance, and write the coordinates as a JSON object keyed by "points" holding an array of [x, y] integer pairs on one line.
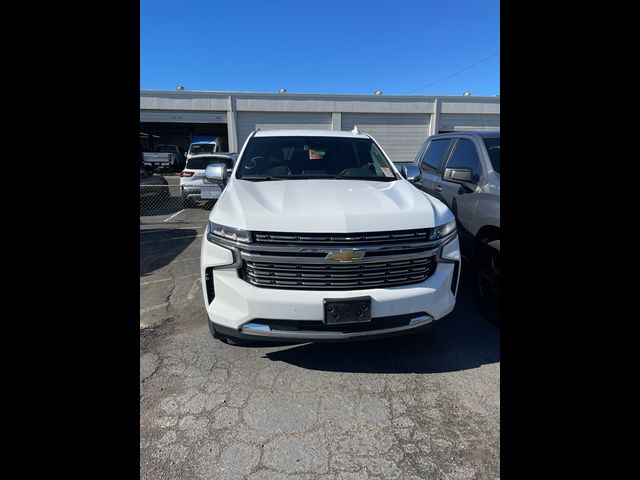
{"points": [[466, 341], [160, 247]]}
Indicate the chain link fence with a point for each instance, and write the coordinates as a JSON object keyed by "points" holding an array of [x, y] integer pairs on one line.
{"points": [[170, 204]]}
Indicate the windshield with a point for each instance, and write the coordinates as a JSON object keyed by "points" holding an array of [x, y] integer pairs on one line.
{"points": [[201, 148], [493, 147], [200, 163], [166, 149], [292, 158]]}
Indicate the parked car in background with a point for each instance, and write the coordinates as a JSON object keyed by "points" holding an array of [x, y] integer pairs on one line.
{"points": [[192, 178], [178, 153], [463, 170], [318, 237], [215, 145], [152, 187], [160, 160]]}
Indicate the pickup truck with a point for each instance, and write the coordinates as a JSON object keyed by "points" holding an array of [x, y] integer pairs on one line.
{"points": [[164, 156], [462, 169], [318, 237]]}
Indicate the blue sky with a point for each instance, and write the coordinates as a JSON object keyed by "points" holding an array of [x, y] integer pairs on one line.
{"points": [[328, 46]]}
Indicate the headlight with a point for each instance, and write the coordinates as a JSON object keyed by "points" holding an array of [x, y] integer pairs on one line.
{"points": [[443, 230], [229, 233]]}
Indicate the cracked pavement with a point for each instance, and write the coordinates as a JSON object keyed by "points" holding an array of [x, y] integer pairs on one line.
{"points": [[413, 407]]}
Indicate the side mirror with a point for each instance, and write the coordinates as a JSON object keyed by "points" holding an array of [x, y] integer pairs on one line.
{"points": [[411, 172], [216, 173], [459, 175]]}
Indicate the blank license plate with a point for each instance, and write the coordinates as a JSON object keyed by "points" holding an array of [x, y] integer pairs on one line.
{"points": [[352, 310]]}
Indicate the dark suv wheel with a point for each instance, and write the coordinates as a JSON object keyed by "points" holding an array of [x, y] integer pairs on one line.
{"points": [[487, 276]]}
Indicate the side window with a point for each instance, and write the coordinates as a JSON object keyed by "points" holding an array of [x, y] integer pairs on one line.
{"points": [[418, 158], [465, 155], [435, 154]]}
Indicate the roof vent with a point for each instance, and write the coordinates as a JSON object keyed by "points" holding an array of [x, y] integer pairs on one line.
{"points": [[355, 130]]}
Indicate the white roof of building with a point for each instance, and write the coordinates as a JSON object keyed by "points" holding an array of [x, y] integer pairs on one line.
{"points": [[308, 133]]}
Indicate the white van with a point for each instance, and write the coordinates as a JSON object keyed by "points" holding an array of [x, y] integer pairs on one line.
{"points": [[218, 144]]}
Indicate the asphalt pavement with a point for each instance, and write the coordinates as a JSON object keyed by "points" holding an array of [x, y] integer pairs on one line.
{"points": [[413, 407]]}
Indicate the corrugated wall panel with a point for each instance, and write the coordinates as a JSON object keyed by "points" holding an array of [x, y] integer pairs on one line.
{"points": [[182, 101], [176, 116], [399, 134], [249, 121], [449, 122]]}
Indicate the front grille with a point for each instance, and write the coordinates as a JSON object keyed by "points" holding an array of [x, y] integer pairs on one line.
{"points": [[332, 276], [343, 238]]}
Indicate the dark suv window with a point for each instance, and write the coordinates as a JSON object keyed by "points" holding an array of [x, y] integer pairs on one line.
{"points": [[493, 147], [465, 155], [435, 154]]}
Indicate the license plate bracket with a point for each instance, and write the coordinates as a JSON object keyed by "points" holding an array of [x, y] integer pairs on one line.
{"points": [[347, 310]]}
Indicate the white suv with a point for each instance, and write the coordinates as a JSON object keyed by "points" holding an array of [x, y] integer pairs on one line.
{"points": [[317, 237], [192, 178]]}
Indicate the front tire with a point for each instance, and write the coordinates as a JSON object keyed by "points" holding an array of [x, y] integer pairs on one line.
{"points": [[487, 276]]}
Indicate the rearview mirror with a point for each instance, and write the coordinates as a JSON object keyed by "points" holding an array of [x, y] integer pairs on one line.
{"points": [[459, 175], [411, 172], [216, 173]]}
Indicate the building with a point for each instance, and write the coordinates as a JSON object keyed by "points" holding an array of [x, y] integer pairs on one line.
{"points": [[399, 123]]}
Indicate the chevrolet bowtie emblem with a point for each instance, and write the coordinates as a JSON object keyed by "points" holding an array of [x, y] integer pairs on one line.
{"points": [[346, 255]]}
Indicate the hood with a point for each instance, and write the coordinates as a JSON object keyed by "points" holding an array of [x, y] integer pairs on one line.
{"points": [[333, 206]]}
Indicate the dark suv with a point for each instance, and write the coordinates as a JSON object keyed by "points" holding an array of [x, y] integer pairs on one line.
{"points": [[463, 170]]}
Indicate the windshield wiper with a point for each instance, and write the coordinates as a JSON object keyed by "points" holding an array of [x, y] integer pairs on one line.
{"points": [[374, 178], [261, 178]]}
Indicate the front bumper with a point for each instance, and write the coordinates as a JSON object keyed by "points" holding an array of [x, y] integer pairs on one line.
{"points": [[255, 332], [242, 310], [194, 193]]}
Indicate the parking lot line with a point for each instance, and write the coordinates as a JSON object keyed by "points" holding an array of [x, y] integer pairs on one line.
{"points": [[155, 307], [174, 215], [159, 230], [185, 259], [155, 281], [170, 239], [167, 279]]}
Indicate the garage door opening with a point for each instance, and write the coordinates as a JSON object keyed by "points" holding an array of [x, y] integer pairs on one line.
{"points": [[180, 134]]}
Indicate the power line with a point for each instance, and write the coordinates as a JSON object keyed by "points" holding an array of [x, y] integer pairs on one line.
{"points": [[456, 73]]}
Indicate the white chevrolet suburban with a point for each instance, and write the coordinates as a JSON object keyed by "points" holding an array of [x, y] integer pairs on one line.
{"points": [[318, 237]]}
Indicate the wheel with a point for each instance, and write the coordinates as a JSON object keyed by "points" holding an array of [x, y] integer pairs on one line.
{"points": [[186, 203], [487, 276], [165, 194]]}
